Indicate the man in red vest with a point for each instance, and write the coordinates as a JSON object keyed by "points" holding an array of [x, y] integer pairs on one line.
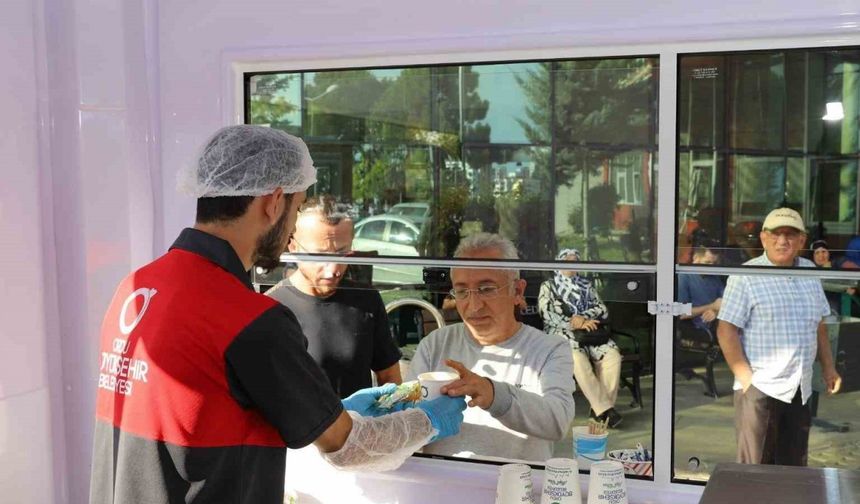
{"points": [[203, 383]]}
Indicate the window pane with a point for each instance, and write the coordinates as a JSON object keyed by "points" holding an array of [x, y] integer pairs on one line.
{"points": [[519, 96], [623, 361], [514, 107], [835, 78], [759, 185], [701, 212], [796, 106], [510, 195], [756, 97], [460, 149], [606, 101], [338, 106], [835, 193], [785, 149], [707, 396], [604, 203], [701, 101], [276, 101]]}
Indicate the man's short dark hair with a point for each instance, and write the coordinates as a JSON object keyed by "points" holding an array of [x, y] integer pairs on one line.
{"points": [[222, 208], [327, 208], [225, 208]]}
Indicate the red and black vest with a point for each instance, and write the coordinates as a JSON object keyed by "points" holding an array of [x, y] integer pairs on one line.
{"points": [[202, 384]]}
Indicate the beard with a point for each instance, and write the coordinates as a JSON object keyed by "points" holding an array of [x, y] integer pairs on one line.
{"points": [[271, 244]]}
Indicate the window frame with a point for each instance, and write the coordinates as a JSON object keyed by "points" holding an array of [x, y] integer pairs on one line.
{"points": [[236, 63]]}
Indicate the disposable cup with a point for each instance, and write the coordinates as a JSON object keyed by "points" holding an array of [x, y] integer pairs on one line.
{"points": [[589, 448], [515, 484], [431, 382], [606, 484], [561, 482]]}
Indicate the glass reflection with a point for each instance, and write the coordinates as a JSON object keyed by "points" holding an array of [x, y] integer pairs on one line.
{"points": [[731, 367], [416, 312], [754, 135], [550, 154]]}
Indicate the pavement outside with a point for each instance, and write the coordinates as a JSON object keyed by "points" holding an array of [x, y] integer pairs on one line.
{"points": [[704, 427]]}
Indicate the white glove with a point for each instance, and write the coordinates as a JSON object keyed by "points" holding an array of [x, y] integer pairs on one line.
{"points": [[382, 443]]}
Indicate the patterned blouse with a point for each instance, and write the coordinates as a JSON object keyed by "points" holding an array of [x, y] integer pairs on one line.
{"points": [[557, 321]]}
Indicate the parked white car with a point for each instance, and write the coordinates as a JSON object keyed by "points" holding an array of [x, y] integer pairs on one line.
{"points": [[390, 235], [417, 212]]}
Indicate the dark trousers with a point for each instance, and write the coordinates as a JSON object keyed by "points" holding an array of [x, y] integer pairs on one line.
{"points": [[770, 431]]}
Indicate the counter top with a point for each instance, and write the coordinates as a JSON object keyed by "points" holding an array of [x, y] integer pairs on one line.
{"points": [[781, 484]]}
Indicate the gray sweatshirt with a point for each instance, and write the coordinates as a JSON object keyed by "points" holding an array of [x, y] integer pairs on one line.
{"points": [[532, 375]]}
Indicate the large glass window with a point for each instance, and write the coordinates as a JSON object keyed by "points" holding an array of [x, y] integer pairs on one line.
{"points": [[562, 154], [715, 420], [549, 154], [759, 131], [763, 130], [615, 373]]}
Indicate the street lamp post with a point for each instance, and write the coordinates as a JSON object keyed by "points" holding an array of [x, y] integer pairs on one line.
{"points": [[311, 99]]}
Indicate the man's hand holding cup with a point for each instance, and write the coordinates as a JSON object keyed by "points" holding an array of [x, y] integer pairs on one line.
{"points": [[477, 387]]}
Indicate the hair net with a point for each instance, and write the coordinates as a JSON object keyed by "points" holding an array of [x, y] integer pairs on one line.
{"points": [[382, 443], [247, 160]]}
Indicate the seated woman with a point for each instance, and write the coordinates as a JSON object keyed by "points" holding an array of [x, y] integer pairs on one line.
{"points": [[570, 307]]}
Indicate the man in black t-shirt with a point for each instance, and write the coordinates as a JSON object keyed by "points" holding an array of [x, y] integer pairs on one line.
{"points": [[346, 325]]}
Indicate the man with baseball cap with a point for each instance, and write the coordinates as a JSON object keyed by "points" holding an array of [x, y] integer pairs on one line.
{"points": [[770, 332]]}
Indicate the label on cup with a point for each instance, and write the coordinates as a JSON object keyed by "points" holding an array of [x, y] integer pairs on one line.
{"points": [[561, 482], [607, 484], [515, 484]]}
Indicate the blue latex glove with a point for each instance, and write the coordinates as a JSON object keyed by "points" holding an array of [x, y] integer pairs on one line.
{"points": [[363, 401], [445, 414]]}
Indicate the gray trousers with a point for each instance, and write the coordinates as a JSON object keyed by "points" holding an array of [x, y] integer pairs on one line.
{"points": [[770, 431]]}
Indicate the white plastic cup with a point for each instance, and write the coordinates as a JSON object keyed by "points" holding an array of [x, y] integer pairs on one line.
{"points": [[561, 482], [589, 448], [606, 484], [431, 382], [515, 484]]}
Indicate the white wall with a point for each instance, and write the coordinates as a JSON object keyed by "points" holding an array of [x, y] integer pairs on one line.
{"points": [[77, 213], [200, 41], [103, 177], [198, 38], [25, 410], [88, 89]]}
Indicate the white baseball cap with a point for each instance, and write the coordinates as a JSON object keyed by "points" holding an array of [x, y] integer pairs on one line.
{"points": [[783, 217]]}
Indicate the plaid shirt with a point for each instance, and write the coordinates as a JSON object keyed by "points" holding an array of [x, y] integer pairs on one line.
{"points": [[778, 318]]}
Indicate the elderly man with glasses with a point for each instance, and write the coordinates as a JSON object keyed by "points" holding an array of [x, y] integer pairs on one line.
{"points": [[519, 379], [770, 331], [346, 326]]}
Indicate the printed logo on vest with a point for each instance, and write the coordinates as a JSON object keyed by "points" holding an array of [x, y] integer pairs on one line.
{"points": [[117, 373], [147, 294]]}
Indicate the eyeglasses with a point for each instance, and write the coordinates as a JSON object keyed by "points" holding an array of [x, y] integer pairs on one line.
{"points": [[341, 251], [788, 235], [482, 292]]}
